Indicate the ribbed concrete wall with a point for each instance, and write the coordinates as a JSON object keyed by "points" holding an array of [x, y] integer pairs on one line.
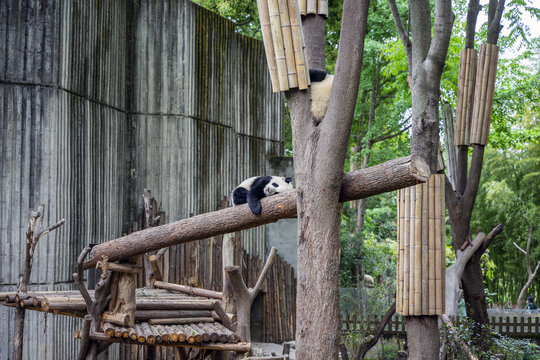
{"points": [[100, 99]]}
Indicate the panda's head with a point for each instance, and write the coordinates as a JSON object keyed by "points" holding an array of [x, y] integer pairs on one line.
{"points": [[278, 185]]}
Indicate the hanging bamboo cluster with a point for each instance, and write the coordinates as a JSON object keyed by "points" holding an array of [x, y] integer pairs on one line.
{"points": [[421, 249], [483, 93], [467, 72], [284, 44], [317, 7]]}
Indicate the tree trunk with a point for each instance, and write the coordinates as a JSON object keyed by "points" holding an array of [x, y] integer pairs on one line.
{"points": [[423, 337], [319, 154]]}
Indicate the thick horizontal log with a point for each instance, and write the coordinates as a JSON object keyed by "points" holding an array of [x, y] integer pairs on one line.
{"points": [[144, 315], [178, 321], [389, 176], [189, 290], [123, 268]]}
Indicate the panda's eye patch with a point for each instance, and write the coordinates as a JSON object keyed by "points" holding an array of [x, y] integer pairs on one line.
{"points": [[275, 185]]}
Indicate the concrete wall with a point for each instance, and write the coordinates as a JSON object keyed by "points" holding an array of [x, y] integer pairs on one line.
{"points": [[282, 234], [100, 99]]}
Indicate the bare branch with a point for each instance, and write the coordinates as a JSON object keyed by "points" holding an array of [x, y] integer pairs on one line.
{"points": [[494, 232], [520, 249], [495, 21], [475, 172], [78, 276], [49, 229], [472, 16], [401, 31], [253, 292], [442, 29]]}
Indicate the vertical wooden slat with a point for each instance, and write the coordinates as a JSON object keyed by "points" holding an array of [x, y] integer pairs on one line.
{"points": [[418, 250], [425, 249], [406, 248]]}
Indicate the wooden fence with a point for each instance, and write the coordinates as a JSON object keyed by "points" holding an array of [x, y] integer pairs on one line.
{"points": [[517, 327]]}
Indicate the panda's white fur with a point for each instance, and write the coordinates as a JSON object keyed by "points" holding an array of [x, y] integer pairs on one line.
{"points": [[253, 189], [320, 95]]}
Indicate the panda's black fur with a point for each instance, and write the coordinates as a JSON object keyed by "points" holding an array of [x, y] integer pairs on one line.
{"points": [[321, 87], [252, 190]]}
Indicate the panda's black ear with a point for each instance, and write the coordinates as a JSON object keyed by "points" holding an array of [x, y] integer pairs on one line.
{"points": [[288, 179]]}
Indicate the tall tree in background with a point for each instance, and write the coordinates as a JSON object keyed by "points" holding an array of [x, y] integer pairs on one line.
{"points": [[426, 56], [462, 190], [319, 156]]}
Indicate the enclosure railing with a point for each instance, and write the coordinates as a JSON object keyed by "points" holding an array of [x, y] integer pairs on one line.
{"points": [[513, 326]]}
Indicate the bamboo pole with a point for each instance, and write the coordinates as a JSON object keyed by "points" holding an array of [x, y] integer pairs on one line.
{"points": [[322, 7], [490, 92], [469, 100], [460, 103], [425, 249], [483, 99], [477, 95], [406, 247], [412, 248], [299, 53], [418, 251], [268, 43], [288, 43], [431, 189], [302, 6], [438, 235], [275, 24], [443, 246], [399, 275], [311, 6]]}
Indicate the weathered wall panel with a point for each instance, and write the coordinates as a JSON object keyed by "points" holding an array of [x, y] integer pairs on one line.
{"points": [[100, 99]]}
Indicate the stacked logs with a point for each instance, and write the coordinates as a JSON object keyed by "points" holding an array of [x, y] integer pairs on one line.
{"points": [[467, 71], [483, 93], [148, 334], [421, 249], [316, 7], [284, 44], [150, 304]]}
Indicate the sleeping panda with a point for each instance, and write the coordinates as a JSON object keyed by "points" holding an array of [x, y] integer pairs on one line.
{"points": [[255, 188], [321, 87]]}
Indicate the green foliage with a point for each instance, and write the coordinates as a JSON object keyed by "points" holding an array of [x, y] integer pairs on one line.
{"points": [[242, 12], [510, 348], [510, 194]]}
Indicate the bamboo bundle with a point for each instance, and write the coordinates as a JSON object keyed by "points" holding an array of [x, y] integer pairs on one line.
{"points": [[421, 250], [284, 44], [466, 81], [316, 7], [483, 93]]}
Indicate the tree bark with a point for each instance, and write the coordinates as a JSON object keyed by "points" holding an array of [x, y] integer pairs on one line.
{"points": [[244, 297], [392, 175], [319, 154], [422, 336]]}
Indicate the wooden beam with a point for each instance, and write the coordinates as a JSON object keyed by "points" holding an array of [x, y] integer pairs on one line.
{"points": [[389, 176]]}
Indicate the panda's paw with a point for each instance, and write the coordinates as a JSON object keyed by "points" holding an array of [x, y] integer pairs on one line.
{"points": [[255, 207]]}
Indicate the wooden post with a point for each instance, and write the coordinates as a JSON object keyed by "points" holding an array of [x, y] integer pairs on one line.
{"points": [[244, 297]]}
